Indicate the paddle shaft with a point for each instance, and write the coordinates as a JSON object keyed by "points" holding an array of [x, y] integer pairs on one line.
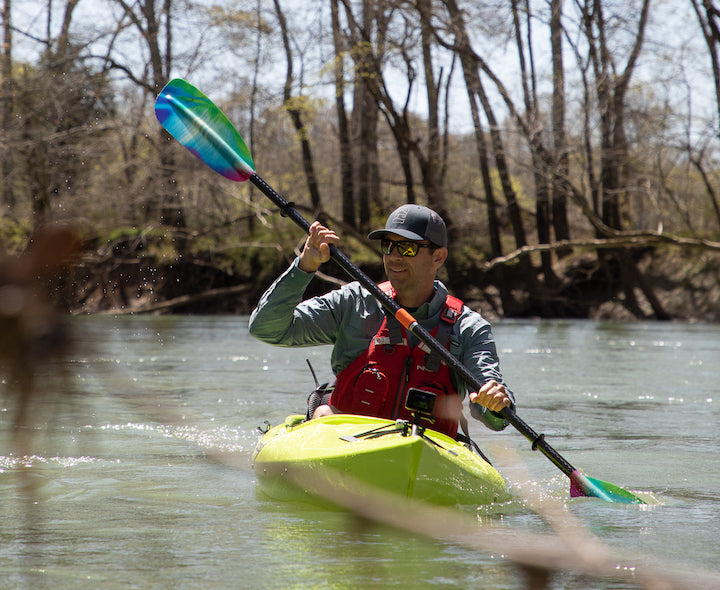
{"points": [[390, 305]]}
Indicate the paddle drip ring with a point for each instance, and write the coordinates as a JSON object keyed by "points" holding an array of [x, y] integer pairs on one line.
{"points": [[540, 437], [284, 209]]}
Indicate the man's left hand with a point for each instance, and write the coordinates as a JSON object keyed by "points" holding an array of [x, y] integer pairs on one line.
{"points": [[492, 395]]}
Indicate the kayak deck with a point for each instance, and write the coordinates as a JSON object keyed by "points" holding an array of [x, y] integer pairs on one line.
{"points": [[345, 449]]}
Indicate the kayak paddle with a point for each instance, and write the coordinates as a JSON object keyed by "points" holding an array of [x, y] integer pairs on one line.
{"points": [[192, 118]]}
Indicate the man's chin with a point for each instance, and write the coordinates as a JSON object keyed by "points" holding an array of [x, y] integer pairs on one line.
{"points": [[395, 275], [397, 280]]}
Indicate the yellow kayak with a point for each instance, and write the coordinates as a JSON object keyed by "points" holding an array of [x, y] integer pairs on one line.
{"points": [[346, 450]]}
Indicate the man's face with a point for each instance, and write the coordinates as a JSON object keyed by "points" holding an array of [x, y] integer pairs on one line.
{"points": [[413, 274]]}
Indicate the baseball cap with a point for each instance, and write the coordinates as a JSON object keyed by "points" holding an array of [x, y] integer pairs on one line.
{"points": [[414, 222]]}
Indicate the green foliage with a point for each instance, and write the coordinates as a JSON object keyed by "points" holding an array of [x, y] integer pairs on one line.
{"points": [[121, 233], [13, 236]]}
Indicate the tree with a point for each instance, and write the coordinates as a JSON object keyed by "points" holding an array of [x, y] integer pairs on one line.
{"points": [[709, 20], [561, 169], [409, 142], [611, 87], [533, 116], [50, 120], [474, 64], [365, 37], [346, 162], [152, 21], [708, 16], [294, 106], [433, 175], [6, 91]]}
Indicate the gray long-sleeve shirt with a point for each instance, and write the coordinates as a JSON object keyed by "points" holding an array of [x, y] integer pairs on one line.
{"points": [[347, 318]]}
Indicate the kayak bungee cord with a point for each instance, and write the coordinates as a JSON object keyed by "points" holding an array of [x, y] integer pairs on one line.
{"points": [[194, 120]]}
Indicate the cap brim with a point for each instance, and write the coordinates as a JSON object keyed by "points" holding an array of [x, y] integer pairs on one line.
{"points": [[379, 234]]}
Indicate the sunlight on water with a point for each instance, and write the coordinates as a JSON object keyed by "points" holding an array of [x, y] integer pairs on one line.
{"points": [[11, 462], [226, 439]]}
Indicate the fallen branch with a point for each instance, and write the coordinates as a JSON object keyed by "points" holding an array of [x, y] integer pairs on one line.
{"points": [[625, 241], [163, 306]]}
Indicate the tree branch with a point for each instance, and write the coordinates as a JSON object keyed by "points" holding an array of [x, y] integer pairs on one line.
{"points": [[629, 240]]}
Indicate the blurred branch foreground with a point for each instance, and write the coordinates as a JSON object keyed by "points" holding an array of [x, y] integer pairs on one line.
{"points": [[32, 332], [569, 547]]}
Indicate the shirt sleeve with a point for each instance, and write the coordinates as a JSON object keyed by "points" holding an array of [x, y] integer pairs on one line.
{"points": [[478, 353], [282, 317]]}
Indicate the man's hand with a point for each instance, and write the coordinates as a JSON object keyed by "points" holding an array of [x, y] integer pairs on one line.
{"points": [[492, 395], [317, 247]]}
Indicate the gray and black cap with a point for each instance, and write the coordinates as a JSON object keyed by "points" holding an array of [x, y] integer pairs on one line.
{"points": [[414, 222]]}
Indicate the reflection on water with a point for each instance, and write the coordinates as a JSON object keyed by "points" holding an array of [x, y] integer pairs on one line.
{"points": [[144, 479]]}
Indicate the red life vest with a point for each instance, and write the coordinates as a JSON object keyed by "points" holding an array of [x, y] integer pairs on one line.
{"points": [[376, 382]]}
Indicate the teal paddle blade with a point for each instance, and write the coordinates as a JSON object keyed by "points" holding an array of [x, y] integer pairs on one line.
{"points": [[582, 485], [192, 118]]}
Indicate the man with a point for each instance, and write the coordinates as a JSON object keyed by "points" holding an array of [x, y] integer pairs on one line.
{"points": [[375, 361]]}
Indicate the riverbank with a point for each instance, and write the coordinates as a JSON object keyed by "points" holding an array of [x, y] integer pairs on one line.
{"points": [[672, 285]]}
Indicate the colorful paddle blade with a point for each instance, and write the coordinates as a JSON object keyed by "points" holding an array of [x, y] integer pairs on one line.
{"points": [[192, 118], [582, 485]]}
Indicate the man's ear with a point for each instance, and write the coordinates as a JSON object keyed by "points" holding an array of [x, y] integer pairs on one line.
{"points": [[440, 256]]}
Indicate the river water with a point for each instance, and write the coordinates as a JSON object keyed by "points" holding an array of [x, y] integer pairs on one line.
{"points": [[138, 474]]}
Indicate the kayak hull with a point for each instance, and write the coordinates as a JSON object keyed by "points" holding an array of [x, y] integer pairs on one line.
{"points": [[349, 451]]}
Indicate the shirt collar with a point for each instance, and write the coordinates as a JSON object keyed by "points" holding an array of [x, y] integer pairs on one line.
{"points": [[434, 306]]}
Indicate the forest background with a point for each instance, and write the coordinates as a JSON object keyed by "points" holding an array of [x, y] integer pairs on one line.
{"points": [[572, 147]]}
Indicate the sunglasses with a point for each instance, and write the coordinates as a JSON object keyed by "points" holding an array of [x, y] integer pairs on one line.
{"points": [[404, 248]]}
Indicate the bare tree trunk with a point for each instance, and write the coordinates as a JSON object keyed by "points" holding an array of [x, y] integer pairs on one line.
{"points": [[708, 18], [503, 171], [612, 88], [697, 163], [483, 164], [473, 85], [346, 165], [588, 127], [369, 101], [539, 167], [399, 120], [365, 115], [431, 171], [466, 53], [49, 153], [476, 92], [296, 117], [8, 102], [255, 87], [366, 173], [560, 179]]}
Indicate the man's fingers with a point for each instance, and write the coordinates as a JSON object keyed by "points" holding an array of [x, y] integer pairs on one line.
{"points": [[492, 395]]}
